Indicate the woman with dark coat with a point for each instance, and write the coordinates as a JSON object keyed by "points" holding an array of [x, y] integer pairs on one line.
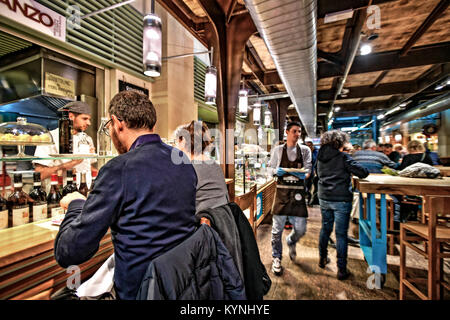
{"points": [[334, 169]]}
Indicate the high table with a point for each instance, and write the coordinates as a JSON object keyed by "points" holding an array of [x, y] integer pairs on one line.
{"points": [[372, 238], [445, 171]]}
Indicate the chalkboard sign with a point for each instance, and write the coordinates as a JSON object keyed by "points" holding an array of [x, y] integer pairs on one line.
{"points": [[128, 86]]}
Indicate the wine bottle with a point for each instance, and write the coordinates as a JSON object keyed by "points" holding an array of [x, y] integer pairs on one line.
{"points": [[65, 133], [38, 208], [83, 189], [53, 198], [70, 186], [3, 213], [94, 176], [19, 210]]}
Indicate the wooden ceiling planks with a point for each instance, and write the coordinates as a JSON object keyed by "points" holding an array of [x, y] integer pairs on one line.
{"points": [[195, 8], [325, 83], [438, 32], [330, 35], [405, 74], [263, 53], [361, 79], [399, 21]]}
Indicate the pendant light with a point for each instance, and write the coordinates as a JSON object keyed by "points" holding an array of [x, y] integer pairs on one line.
{"points": [[267, 118], [243, 103], [257, 113], [211, 82], [152, 44]]}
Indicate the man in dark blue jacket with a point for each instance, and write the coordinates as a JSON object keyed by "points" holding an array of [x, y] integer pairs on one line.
{"points": [[146, 199]]}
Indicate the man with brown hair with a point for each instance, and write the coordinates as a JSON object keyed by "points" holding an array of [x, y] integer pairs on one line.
{"points": [[146, 199]]}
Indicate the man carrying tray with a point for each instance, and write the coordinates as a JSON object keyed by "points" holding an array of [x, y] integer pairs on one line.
{"points": [[291, 163]]}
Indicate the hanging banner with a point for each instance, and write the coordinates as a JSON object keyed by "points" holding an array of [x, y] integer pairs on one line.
{"points": [[36, 16]]}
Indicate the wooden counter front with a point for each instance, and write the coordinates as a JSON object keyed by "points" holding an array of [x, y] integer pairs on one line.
{"points": [[28, 269]]}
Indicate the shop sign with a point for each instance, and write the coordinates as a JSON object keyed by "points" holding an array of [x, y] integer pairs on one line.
{"points": [[36, 16], [128, 86], [59, 86]]}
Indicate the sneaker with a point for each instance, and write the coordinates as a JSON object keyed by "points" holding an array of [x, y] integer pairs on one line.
{"points": [[292, 251], [276, 266], [343, 274], [323, 262], [288, 226]]}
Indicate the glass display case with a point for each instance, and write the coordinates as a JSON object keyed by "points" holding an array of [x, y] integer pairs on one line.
{"points": [[251, 163], [22, 133]]}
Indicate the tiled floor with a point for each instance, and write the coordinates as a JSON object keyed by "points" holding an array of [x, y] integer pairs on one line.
{"points": [[304, 280]]}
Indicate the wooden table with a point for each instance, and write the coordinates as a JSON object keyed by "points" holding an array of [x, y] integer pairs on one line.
{"points": [[445, 171], [373, 239]]}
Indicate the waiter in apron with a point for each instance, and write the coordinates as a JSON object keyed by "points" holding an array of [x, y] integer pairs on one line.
{"points": [[290, 199]]}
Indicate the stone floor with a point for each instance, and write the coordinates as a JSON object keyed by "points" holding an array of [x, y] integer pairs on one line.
{"points": [[304, 280]]}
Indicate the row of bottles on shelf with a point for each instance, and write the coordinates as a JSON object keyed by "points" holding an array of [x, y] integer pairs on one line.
{"points": [[20, 208]]}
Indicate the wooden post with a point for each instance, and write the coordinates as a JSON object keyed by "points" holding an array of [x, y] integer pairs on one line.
{"points": [[228, 36]]}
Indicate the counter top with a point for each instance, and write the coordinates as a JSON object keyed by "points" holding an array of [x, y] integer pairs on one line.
{"points": [[383, 183], [24, 241]]}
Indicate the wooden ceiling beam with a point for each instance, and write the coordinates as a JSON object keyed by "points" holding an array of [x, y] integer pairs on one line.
{"points": [[417, 56], [434, 15], [187, 21], [385, 89]]}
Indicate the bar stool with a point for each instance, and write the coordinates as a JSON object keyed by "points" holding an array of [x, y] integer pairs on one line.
{"points": [[435, 234], [248, 201]]}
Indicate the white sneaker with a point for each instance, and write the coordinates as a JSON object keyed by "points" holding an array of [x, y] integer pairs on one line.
{"points": [[276, 266]]}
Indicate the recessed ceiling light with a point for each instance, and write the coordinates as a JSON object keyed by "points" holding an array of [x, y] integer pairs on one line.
{"points": [[366, 49]]}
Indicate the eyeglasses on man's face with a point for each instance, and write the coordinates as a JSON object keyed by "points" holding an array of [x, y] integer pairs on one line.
{"points": [[105, 128]]}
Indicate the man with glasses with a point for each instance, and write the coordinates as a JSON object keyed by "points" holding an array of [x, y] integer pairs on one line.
{"points": [[80, 114], [146, 199]]}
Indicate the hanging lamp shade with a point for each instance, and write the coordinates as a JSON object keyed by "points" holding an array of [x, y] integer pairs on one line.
{"points": [[257, 114], [210, 85], [243, 103], [152, 45], [267, 118]]}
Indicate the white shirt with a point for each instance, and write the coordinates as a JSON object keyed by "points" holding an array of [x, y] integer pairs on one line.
{"points": [[46, 150]]}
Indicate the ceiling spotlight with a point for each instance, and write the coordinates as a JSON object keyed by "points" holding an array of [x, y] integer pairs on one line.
{"points": [[366, 49], [380, 116], [372, 37], [337, 109]]}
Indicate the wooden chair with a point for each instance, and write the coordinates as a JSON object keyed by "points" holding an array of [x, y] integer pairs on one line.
{"points": [[435, 235], [248, 201]]}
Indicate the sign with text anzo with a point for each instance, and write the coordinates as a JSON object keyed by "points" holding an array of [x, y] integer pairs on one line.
{"points": [[35, 16]]}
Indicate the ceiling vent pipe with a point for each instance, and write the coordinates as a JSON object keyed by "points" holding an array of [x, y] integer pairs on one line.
{"points": [[289, 31]]}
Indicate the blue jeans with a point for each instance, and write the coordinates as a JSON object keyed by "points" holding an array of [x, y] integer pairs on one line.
{"points": [[338, 212], [298, 231]]}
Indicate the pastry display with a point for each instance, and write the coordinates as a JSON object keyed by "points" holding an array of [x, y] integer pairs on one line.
{"points": [[23, 133]]}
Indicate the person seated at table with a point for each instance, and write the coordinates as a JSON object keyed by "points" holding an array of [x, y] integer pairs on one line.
{"points": [[400, 149], [371, 159], [433, 155], [416, 153], [335, 169], [403, 211], [212, 191], [392, 154]]}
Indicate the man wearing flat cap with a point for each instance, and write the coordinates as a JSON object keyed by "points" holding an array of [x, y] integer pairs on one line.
{"points": [[80, 114]]}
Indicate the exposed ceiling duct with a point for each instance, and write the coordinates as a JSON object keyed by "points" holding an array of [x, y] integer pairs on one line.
{"points": [[289, 31]]}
